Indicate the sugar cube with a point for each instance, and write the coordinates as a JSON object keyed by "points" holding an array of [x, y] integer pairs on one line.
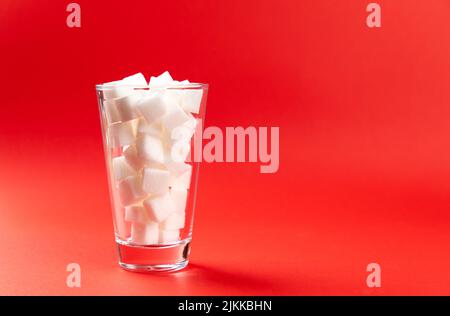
{"points": [[130, 190], [180, 150], [137, 80], [183, 132], [177, 168], [132, 158], [180, 178], [174, 221], [155, 181], [126, 106], [191, 100], [159, 207], [168, 236], [145, 233], [152, 106], [136, 213], [153, 129], [112, 116], [150, 148], [161, 80], [122, 134], [115, 89], [192, 123], [174, 117], [121, 168], [179, 198], [122, 227]]}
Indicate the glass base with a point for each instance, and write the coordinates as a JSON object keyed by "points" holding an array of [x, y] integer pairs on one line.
{"points": [[152, 258]]}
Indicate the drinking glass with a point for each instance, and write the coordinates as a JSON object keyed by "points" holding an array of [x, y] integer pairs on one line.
{"points": [[152, 182]]}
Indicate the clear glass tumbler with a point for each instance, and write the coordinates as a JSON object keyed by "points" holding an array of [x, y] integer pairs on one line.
{"points": [[151, 138]]}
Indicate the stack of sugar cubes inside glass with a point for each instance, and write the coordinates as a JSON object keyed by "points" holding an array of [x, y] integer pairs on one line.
{"points": [[149, 131]]}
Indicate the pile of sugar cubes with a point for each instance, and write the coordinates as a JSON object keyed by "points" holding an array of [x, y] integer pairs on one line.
{"points": [[149, 130]]}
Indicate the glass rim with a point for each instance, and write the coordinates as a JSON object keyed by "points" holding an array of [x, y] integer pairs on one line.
{"points": [[106, 86]]}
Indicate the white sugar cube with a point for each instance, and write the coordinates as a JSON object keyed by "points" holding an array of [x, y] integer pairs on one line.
{"points": [[168, 236], [192, 123], [122, 134], [122, 228], [176, 91], [130, 190], [173, 95], [179, 151], [126, 106], [159, 207], [184, 180], [183, 132], [177, 168], [161, 80], [174, 117], [112, 116], [136, 213], [132, 158], [155, 181], [145, 233], [152, 106], [191, 100], [174, 221], [150, 148], [181, 136], [115, 89], [124, 87], [153, 129], [180, 179], [121, 168], [137, 80], [179, 197]]}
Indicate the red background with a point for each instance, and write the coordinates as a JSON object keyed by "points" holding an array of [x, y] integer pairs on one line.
{"points": [[364, 144]]}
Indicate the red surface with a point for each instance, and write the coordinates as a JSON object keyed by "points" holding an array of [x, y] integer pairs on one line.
{"points": [[364, 144]]}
